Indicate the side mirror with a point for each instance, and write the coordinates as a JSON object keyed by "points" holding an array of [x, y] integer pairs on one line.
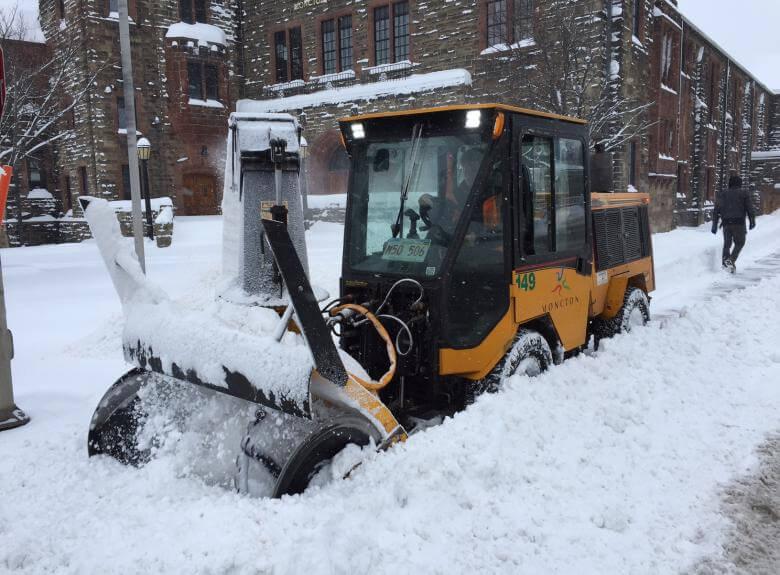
{"points": [[382, 160]]}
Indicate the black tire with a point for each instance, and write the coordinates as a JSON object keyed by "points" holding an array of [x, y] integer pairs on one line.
{"points": [[634, 311], [528, 345], [281, 454]]}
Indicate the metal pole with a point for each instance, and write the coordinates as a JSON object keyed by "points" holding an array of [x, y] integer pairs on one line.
{"points": [[148, 200], [132, 154], [10, 415]]}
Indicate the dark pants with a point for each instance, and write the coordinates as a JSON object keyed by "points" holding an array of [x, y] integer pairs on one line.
{"points": [[733, 233]]}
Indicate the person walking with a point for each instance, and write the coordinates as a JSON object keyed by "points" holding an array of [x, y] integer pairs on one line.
{"points": [[731, 208]]}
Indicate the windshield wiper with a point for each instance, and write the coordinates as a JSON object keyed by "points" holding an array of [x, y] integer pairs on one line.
{"points": [[398, 227]]}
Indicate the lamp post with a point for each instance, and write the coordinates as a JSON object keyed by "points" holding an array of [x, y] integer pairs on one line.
{"points": [[144, 151]]}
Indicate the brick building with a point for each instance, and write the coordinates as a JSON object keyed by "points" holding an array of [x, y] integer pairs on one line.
{"points": [[698, 115], [185, 75]]}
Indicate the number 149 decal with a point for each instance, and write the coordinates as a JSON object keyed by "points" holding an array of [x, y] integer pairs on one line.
{"points": [[526, 282]]}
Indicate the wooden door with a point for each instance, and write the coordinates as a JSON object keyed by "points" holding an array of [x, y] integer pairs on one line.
{"points": [[199, 195]]}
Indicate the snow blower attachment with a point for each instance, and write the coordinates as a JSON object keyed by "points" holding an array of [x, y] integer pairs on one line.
{"points": [[474, 250], [309, 407]]}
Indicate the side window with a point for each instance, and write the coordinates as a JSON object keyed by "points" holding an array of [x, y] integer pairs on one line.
{"points": [[569, 195], [537, 199]]}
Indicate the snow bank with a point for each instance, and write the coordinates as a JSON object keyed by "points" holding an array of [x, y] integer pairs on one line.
{"points": [[165, 216], [39, 194], [325, 201], [612, 463], [127, 205]]}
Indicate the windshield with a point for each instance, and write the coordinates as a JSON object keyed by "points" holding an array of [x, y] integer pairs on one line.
{"points": [[412, 237]]}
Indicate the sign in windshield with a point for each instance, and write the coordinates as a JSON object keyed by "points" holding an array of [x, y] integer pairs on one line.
{"points": [[406, 250]]}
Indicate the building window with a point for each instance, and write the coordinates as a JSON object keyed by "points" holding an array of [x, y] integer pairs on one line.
{"points": [[382, 35], [632, 164], [713, 92], [509, 21], [192, 11], [497, 23], [337, 45], [666, 58], [345, 42], [126, 194], [288, 55], [35, 177], [391, 33], [113, 6], [401, 31], [329, 47], [638, 18], [524, 22], [83, 180], [203, 81], [121, 114]]}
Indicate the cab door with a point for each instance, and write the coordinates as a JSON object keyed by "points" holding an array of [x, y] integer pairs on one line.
{"points": [[551, 270]]}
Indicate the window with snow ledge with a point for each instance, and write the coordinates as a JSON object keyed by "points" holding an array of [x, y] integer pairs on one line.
{"points": [[336, 44], [390, 37], [507, 24], [203, 84], [288, 55]]}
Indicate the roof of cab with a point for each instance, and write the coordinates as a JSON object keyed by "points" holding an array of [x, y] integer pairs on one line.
{"points": [[503, 107]]}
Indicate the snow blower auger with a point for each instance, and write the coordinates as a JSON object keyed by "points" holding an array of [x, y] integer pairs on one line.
{"points": [[309, 407]]}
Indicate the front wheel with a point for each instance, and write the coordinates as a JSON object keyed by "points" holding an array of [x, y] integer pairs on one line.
{"points": [[529, 355], [635, 312]]}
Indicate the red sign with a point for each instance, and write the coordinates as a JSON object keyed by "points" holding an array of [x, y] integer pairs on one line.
{"points": [[5, 182]]}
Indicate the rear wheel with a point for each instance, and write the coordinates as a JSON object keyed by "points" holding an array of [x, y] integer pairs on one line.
{"points": [[635, 312], [529, 355]]}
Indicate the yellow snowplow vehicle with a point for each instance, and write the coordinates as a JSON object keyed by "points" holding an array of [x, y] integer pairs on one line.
{"points": [[474, 250]]}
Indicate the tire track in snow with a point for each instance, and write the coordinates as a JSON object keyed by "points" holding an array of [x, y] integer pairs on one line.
{"points": [[753, 504]]}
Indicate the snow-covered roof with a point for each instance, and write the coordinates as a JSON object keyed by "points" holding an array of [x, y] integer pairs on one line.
{"points": [[767, 155], [255, 131], [373, 90], [203, 34], [24, 15]]}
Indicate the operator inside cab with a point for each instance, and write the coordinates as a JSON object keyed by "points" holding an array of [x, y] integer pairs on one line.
{"points": [[441, 214]]}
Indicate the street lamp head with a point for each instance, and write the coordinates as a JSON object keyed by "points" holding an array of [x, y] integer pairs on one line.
{"points": [[144, 149], [304, 147]]}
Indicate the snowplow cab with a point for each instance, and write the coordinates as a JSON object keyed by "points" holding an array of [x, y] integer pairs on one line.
{"points": [[470, 226]]}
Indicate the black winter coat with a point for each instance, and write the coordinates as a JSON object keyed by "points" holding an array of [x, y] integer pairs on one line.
{"points": [[732, 205]]}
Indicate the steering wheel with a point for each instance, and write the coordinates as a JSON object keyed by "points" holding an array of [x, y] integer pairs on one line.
{"points": [[436, 232]]}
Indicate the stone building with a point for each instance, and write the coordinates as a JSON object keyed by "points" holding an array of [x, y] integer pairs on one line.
{"points": [[186, 81], [703, 115], [680, 115]]}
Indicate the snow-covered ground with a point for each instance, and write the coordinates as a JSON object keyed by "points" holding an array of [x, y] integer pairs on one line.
{"points": [[614, 462]]}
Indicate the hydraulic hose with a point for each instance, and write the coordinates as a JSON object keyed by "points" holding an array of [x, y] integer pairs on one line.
{"points": [[380, 329]]}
